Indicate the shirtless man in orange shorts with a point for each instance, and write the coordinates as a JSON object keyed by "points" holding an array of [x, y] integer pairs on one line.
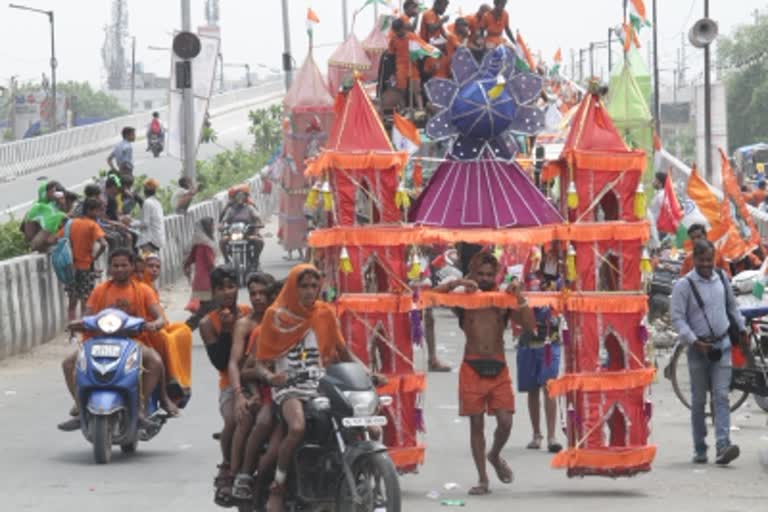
{"points": [[485, 385]]}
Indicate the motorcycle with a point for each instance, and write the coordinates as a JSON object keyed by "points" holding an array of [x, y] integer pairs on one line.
{"points": [[155, 144], [338, 466], [108, 386], [663, 279], [241, 246]]}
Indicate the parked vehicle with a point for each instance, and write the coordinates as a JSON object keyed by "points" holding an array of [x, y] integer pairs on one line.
{"points": [[663, 279]]}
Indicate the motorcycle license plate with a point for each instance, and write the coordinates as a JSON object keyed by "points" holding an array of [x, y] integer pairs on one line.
{"points": [[105, 351], [365, 421]]}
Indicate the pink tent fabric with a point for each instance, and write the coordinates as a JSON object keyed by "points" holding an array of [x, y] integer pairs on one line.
{"points": [[348, 58], [482, 194], [308, 90], [375, 44]]}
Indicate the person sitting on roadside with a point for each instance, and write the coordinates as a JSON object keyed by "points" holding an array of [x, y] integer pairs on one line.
{"points": [[183, 196], [88, 243], [137, 300], [248, 397], [699, 232], [42, 222], [217, 330], [298, 332]]}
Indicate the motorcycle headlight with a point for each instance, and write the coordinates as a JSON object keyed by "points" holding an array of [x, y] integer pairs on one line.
{"points": [[81, 361], [363, 403], [132, 361], [237, 236], [109, 324]]}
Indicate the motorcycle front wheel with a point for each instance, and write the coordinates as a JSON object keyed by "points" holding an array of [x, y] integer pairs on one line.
{"points": [[101, 438], [376, 484]]}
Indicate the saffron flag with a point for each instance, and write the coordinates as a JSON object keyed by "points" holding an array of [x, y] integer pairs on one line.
{"points": [[405, 135], [671, 213], [637, 15], [741, 235], [555, 71], [706, 202]]}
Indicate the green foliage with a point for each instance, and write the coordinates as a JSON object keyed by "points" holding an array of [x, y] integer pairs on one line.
{"points": [[266, 127], [86, 101], [12, 241], [746, 78], [209, 135]]}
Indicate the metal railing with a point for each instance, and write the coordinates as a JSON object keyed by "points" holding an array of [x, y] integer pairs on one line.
{"points": [[25, 156]]}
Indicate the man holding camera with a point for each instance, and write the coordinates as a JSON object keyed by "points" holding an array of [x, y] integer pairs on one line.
{"points": [[703, 308]]}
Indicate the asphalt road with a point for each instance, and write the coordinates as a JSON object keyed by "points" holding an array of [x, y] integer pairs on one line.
{"points": [[17, 196], [44, 469]]}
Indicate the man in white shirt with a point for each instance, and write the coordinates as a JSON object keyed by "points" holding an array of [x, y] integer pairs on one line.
{"points": [[152, 228]]}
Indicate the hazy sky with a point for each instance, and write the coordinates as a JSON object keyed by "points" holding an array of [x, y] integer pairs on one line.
{"points": [[252, 30]]}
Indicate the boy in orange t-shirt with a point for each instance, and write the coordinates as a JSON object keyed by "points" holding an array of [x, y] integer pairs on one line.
{"points": [[88, 242], [406, 72]]}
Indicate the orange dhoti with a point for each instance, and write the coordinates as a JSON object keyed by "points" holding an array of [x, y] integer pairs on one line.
{"points": [[174, 344], [479, 395]]}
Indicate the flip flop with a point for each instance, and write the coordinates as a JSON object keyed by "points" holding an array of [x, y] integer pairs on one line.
{"points": [[480, 490], [503, 471], [535, 444], [554, 447]]}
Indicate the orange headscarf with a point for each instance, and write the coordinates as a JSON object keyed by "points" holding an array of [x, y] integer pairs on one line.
{"points": [[286, 323]]}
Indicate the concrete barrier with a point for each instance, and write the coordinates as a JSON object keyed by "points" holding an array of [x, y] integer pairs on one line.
{"points": [[33, 306]]}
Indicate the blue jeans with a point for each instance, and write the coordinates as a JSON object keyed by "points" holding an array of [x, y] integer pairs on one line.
{"points": [[702, 371]]}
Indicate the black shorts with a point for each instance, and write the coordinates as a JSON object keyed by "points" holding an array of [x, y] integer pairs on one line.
{"points": [[82, 286]]}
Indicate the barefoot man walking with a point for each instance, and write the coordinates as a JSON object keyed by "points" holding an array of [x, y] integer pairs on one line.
{"points": [[485, 385]]}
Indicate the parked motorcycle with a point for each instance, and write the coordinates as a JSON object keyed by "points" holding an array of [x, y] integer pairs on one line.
{"points": [[338, 467], [244, 248], [663, 279], [155, 144], [108, 382]]}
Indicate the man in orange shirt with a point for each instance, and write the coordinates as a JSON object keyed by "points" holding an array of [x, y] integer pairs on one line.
{"points": [[88, 242], [217, 329], [454, 40], [406, 72], [433, 32], [496, 23], [699, 232], [137, 300], [475, 21]]}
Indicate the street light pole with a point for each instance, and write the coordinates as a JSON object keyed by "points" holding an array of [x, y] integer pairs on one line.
{"points": [[287, 59], [344, 18], [188, 106], [53, 57], [133, 72], [707, 106], [656, 84]]}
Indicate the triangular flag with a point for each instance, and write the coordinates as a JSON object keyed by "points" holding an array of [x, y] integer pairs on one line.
{"points": [[706, 202], [526, 53], [671, 213], [405, 135], [312, 21], [742, 235]]}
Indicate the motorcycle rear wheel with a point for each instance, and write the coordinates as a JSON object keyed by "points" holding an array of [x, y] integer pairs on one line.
{"points": [[377, 483], [101, 438]]}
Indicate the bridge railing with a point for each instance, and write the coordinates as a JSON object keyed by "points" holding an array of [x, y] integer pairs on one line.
{"points": [[25, 156]]}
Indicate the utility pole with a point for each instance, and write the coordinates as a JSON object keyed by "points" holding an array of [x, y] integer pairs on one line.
{"points": [[188, 106], [683, 66], [756, 13], [707, 106], [133, 72], [573, 65], [344, 18], [610, 51], [591, 60], [12, 113], [656, 85], [287, 59]]}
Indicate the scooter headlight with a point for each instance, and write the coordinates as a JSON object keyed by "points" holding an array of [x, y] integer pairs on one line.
{"points": [[363, 403], [82, 363], [109, 323], [132, 361]]}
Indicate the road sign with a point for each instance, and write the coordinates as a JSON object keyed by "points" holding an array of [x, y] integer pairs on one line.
{"points": [[186, 45]]}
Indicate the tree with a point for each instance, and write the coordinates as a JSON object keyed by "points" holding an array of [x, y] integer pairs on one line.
{"points": [[90, 103], [266, 128], [744, 58]]}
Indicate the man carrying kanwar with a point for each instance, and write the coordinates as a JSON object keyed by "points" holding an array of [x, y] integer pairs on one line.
{"points": [[485, 384], [298, 333]]}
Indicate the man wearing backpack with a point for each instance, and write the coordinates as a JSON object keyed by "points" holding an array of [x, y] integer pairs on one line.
{"points": [[87, 242]]}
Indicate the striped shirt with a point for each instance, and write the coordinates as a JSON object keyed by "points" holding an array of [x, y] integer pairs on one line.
{"points": [[302, 356]]}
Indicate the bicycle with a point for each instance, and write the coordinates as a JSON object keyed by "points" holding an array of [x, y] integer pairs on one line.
{"points": [[750, 374]]}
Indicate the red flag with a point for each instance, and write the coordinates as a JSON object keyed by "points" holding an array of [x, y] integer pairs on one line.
{"points": [[671, 212]]}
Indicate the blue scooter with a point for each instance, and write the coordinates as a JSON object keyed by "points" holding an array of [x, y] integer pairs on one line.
{"points": [[108, 385]]}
